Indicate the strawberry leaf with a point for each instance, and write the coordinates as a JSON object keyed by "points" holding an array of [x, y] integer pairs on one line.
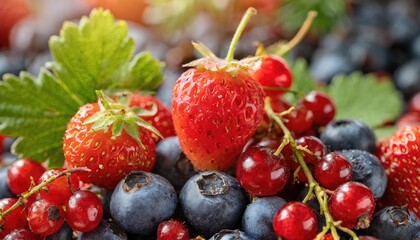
{"points": [[365, 98], [96, 54]]}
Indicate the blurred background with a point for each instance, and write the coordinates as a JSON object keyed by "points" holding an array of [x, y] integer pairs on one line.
{"points": [[372, 36]]}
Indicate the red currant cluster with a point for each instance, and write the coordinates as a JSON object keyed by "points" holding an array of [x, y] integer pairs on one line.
{"points": [[48, 199]]}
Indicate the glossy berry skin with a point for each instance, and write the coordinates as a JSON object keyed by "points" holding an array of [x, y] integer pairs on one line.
{"points": [[20, 234], [321, 105], [332, 171], [59, 190], [215, 114], [172, 164], [212, 201], [257, 220], [414, 102], [368, 170], [352, 203], [14, 220], [394, 223], [135, 196], [1, 144], [262, 173], [84, 211], [20, 173], [295, 221], [105, 230], [172, 230], [45, 217], [273, 72], [348, 134], [399, 155], [162, 120], [300, 120], [109, 158], [227, 234]]}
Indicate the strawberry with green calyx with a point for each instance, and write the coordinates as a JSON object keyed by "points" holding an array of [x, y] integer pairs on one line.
{"points": [[162, 120], [110, 153], [400, 156], [217, 107]]}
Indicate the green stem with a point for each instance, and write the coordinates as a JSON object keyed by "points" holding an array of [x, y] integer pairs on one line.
{"points": [[244, 21], [39, 187]]}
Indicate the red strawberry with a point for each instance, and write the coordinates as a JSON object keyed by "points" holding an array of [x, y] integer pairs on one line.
{"points": [[162, 120], [110, 154], [217, 107], [400, 155]]}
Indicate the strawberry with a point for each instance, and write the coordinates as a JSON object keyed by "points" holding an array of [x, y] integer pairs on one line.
{"points": [[110, 155], [217, 107], [400, 156], [162, 120]]}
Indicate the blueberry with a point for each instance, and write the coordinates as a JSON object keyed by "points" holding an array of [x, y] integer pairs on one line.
{"points": [[348, 134], [368, 170], [407, 77], [4, 185], [172, 164], [393, 223], [258, 217], [327, 64], [141, 201], [64, 233], [212, 201], [227, 234], [105, 230]]}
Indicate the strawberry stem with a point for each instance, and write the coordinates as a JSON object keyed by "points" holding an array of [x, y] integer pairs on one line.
{"points": [[299, 35], [40, 187], [244, 21]]}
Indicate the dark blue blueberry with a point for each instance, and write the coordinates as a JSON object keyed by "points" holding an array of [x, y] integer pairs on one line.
{"points": [[417, 236], [106, 199], [172, 164], [327, 64], [367, 169], [227, 234], [407, 77], [348, 134], [368, 55], [65, 233], [105, 230], [4, 185], [415, 47], [141, 201], [393, 223], [258, 217], [212, 201]]}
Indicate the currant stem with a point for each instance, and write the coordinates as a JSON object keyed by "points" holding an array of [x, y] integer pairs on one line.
{"points": [[299, 35], [244, 21], [40, 187]]}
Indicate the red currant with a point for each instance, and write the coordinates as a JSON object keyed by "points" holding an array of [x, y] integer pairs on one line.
{"points": [[295, 221], [172, 230], [45, 217], [1, 144], [332, 171], [262, 173], [84, 211], [352, 203], [20, 234], [322, 107], [300, 120], [59, 190], [313, 144], [22, 173], [273, 72], [16, 219]]}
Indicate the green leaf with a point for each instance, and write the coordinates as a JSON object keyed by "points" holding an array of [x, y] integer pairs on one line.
{"points": [[384, 132], [96, 54], [365, 98], [302, 81], [293, 13]]}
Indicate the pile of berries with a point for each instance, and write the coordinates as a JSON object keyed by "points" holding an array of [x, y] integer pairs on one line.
{"points": [[232, 159]]}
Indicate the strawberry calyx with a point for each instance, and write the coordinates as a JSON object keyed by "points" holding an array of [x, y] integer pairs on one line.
{"points": [[120, 116]]}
